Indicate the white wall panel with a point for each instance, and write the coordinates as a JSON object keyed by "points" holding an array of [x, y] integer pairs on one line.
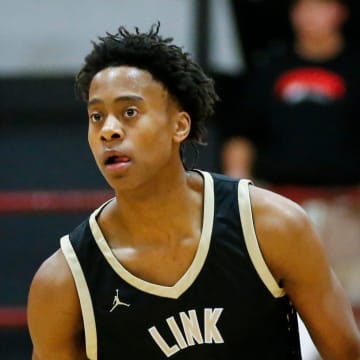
{"points": [[52, 36]]}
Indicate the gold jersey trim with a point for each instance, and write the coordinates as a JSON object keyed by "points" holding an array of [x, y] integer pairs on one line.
{"points": [[251, 240], [84, 297], [194, 269]]}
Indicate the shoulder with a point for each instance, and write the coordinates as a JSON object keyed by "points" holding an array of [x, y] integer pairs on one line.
{"points": [[54, 313], [276, 213], [284, 232], [54, 273], [53, 308], [53, 290]]}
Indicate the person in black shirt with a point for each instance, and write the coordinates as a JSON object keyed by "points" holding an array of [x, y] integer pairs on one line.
{"points": [[300, 109]]}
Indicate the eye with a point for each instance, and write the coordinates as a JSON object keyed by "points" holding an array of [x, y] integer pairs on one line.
{"points": [[130, 112], [96, 117]]}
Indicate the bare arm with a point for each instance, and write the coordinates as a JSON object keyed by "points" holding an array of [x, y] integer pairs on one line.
{"points": [[54, 313], [296, 257]]}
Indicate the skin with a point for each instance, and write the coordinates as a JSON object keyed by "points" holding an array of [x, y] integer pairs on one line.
{"points": [[152, 174]]}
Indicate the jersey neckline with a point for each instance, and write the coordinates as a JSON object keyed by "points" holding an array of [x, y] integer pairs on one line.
{"points": [[190, 275]]}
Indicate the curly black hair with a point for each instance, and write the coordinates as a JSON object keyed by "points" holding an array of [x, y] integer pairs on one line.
{"points": [[184, 79]]}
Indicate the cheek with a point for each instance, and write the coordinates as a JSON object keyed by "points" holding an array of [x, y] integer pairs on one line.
{"points": [[156, 128], [156, 143]]}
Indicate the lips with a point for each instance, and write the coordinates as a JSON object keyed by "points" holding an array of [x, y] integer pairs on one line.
{"points": [[114, 160]]}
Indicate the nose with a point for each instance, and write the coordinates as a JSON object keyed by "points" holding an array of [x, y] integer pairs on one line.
{"points": [[111, 129]]}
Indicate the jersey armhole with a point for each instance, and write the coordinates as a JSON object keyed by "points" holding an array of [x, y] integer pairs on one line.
{"points": [[251, 241], [84, 297]]}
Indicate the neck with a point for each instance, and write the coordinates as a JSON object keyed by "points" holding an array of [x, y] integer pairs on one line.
{"points": [[160, 211], [319, 49]]}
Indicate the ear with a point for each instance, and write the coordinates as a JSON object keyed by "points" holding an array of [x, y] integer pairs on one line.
{"points": [[182, 126]]}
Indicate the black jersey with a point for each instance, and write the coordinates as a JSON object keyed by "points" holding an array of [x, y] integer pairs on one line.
{"points": [[227, 305]]}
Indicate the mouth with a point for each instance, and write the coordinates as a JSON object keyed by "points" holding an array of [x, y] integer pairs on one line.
{"points": [[116, 159], [116, 162]]}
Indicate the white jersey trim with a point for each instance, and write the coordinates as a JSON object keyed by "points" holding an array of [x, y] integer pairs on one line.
{"points": [[251, 240], [84, 297], [191, 273]]}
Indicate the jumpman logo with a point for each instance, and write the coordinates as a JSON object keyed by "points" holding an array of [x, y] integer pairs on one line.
{"points": [[117, 301]]}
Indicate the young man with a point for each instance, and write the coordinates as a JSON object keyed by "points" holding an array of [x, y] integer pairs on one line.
{"points": [[182, 264]]}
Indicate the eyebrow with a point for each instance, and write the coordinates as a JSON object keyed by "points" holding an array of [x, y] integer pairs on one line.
{"points": [[118, 99]]}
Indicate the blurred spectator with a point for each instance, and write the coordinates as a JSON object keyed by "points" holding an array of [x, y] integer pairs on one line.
{"points": [[301, 106], [298, 125]]}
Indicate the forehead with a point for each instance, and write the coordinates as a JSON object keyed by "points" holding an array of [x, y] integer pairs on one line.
{"points": [[317, 2], [117, 80]]}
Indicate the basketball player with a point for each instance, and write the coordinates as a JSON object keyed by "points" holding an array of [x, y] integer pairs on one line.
{"points": [[180, 264]]}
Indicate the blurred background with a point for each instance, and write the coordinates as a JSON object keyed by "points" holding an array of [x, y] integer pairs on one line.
{"points": [[49, 182]]}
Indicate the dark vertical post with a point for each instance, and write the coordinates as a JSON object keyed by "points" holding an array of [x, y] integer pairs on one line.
{"points": [[202, 26]]}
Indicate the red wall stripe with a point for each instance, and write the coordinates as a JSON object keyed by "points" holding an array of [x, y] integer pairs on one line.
{"points": [[52, 201]]}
